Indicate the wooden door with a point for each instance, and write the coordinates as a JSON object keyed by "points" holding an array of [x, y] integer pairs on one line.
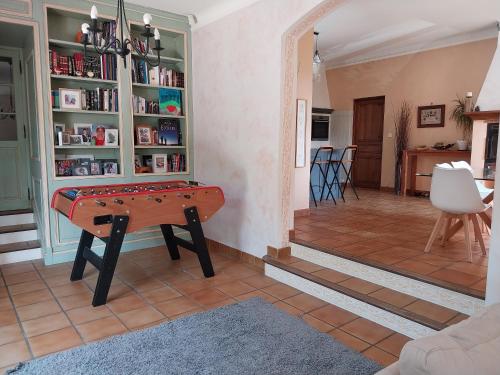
{"points": [[13, 151], [368, 133]]}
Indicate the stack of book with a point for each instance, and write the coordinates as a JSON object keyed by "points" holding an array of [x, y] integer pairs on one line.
{"points": [[103, 67], [108, 31], [141, 105], [157, 76], [176, 163]]}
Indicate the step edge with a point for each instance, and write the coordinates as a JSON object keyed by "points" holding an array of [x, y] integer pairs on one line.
{"points": [[16, 212], [36, 245], [5, 229], [362, 309], [359, 296], [384, 267]]}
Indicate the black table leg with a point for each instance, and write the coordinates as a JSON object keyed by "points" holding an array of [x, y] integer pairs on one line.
{"points": [[86, 240], [168, 235], [199, 242], [109, 259]]}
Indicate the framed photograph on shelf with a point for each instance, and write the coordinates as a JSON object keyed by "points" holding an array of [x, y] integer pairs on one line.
{"points": [[70, 99], [431, 116], [144, 136], [110, 167], [95, 168], [58, 131], [98, 134], [159, 163], [75, 139], [80, 170], [66, 138], [111, 137], [85, 130]]}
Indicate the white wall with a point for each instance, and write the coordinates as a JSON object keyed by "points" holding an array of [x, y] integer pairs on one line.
{"points": [[237, 87]]}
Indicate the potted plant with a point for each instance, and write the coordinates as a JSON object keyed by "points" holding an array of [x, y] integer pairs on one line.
{"points": [[464, 122], [402, 125]]}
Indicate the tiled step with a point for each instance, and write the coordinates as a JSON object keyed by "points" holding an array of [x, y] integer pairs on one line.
{"points": [[400, 282], [383, 299], [394, 269], [18, 246], [18, 233], [16, 217]]}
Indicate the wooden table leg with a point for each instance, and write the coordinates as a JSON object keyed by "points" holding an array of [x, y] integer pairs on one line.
{"points": [[413, 174], [404, 171]]}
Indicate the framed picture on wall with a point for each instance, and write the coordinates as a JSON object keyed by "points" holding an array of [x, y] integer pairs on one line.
{"points": [[431, 116], [300, 146]]}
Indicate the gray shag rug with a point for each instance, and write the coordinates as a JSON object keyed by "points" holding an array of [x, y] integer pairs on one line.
{"points": [[251, 337]]}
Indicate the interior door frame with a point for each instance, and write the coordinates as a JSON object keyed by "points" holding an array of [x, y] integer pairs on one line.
{"points": [[44, 213], [20, 105], [379, 97]]}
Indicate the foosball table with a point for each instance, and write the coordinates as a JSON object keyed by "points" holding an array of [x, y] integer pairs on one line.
{"points": [[109, 212]]}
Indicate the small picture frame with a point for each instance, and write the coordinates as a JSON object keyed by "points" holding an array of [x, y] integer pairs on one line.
{"points": [[144, 136], [85, 130], [70, 99], [58, 130], [109, 168], [95, 168], [431, 116], [66, 138], [160, 163], [138, 161], [75, 139], [111, 137], [99, 134], [80, 170]]}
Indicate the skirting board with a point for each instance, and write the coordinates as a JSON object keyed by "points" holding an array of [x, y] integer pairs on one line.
{"points": [[363, 309], [20, 256], [419, 289]]}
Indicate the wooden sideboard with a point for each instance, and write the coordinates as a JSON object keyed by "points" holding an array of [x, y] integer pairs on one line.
{"points": [[410, 160]]}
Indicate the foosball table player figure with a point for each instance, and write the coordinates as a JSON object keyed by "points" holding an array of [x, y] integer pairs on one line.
{"points": [[110, 212]]}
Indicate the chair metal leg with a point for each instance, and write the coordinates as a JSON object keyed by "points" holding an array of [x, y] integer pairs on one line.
{"points": [[349, 180], [312, 192]]}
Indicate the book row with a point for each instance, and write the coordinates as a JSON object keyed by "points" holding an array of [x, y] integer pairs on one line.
{"points": [[99, 99], [102, 67], [156, 76], [160, 163]]}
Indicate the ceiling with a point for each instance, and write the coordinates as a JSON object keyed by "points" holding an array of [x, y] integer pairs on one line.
{"points": [[364, 30], [204, 11]]}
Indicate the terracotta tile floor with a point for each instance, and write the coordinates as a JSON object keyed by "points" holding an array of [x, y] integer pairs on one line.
{"points": [[48, 313], [392, 231]]}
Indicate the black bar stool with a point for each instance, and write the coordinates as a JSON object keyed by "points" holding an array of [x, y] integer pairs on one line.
{"points": [[317, 161], [346, 161]]}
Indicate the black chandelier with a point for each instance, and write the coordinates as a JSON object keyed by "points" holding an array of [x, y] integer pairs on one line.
{"points": [[121, 46]]}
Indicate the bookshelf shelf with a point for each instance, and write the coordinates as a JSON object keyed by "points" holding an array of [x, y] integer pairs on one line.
{"points": [[159, 147], [65, 44], [162, 58], [156, 115], [144, 85], [84, 112], [90, 147], [84, 79], [161, 174]]}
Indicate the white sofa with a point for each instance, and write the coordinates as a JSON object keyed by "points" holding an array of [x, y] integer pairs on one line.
{"points": [[471, 347]]}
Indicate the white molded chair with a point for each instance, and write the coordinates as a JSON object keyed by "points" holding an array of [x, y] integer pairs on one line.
{"points": [[454, 192], [483, 190]]}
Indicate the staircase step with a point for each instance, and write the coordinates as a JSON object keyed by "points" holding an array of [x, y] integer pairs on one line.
{"points": [[17, 228], [400, 282], [17, 217], [18, 246], [364, 291], [16, 212]]}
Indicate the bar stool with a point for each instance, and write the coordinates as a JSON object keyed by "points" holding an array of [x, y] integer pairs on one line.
{"points": [[346, 161], [317, 161]]}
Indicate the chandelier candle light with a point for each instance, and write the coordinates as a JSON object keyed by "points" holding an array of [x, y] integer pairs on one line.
{"points": [[316, 58], [121, 46]]}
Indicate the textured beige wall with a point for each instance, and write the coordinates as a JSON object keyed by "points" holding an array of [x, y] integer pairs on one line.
{"points": [[304, 91], [429, 77]]}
